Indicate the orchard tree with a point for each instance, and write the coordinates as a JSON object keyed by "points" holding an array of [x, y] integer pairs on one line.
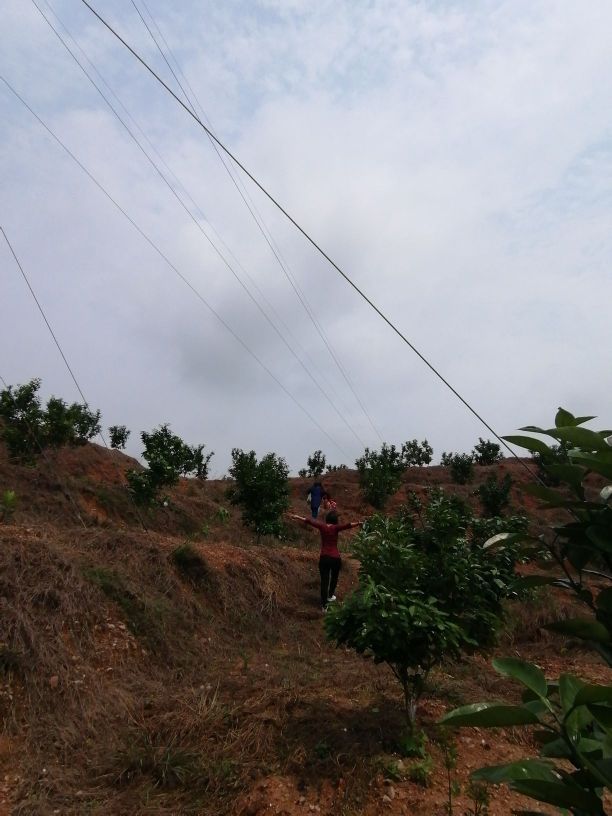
{"points": [[494, 494], [260, 489], [486, 452], [118, 436], [380, 474], [571, 717], [316, 464], [417, 454], [168, 458], [27, 428], [426, 593], [461, 466]]}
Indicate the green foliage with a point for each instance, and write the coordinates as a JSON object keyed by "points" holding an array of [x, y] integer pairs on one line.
{"points": [[334, 468], [425, 593], [420, 772], [260, 489], [167, 766], [8, 505], [27, 428], [168, 458], [303, 473], [118, 436], [417, 454], [316, 464], [494, 494], [461, 466], [380, 474], [573, 724], [486, 452], [572, 718], [223, 514]]}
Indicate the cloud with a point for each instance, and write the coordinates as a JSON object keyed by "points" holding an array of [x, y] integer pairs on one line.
{"points": [[452, 158]]}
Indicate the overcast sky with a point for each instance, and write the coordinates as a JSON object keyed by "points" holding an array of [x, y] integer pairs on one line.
{"points": [[454, 158]]}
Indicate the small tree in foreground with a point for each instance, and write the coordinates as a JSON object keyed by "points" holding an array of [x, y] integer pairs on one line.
{"points": [[118, 436], [494, 494], [425, 593], [261, 490], [572, 719]]}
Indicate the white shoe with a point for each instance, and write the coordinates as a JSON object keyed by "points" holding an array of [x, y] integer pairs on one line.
{"points": [[332, 599]]}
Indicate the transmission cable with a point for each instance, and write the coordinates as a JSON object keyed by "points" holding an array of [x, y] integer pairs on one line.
{"points": [[201, 229], [169, 263], [67, 364], [306, 235], [250, 205]]}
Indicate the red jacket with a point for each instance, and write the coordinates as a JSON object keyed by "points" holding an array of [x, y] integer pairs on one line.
{"points": [[329, 536]]}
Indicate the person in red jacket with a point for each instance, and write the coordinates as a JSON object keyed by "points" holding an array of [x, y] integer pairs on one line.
{"points": [[330, 562]]}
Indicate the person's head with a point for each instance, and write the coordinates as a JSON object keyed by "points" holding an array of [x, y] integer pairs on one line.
{"points": [[331, 517]]}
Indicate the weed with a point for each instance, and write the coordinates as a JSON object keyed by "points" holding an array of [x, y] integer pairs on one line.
{"points": [[322, 750], [413, 744], [223, 514], [479, 794], [167, 766], [420, 772], [8, 505]]}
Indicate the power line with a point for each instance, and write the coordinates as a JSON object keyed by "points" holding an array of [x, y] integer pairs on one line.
{"points": [[200, 228], [255, 214], [169, 263], [64, 358], [306, 235]]}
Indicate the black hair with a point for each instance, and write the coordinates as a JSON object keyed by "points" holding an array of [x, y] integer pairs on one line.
{"points": [[331, 517]]}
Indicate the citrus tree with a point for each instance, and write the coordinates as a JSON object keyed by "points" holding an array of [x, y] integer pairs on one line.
{"points": [[427, 591], [572, 719], [380, 474], [260, 489]]}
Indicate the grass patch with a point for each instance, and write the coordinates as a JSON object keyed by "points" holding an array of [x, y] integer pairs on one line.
{"points": [[144, 620], [167, 766], [191, 565]]}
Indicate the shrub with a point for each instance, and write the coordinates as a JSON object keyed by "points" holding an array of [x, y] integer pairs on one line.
{"points": [[168, 458], [572, 718], [486, 452], [424, 595], [8, 505], [261, 490], [118, 436], [494, 494], [316, 464], [27, 428], [417, 454], [380, 474], [461, 466]]}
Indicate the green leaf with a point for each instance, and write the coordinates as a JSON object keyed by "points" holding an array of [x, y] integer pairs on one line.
{"points": [[489, 715], [599, 465], [513, 771], [533, 429], [569, 686], [559, 794], [551, 497], [572, 474], [582, 419], [533, 445], [581, 437], [526, 673], [593, 693], [564, 418], [582, 628], [603, 715]]}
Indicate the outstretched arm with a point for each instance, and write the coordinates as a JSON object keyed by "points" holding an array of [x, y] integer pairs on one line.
{"points": [[305, 520]]}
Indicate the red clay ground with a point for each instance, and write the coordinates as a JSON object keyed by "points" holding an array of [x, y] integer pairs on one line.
{"points": [[128, 689]]}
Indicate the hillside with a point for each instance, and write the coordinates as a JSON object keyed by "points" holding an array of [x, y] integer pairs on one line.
{"points": [[130, 686]]}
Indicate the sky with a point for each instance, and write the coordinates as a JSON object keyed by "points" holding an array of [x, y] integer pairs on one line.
{"points": [[453, 158]]}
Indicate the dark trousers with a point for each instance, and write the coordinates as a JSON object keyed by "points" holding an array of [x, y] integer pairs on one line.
{"points": [[330, 569]]}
